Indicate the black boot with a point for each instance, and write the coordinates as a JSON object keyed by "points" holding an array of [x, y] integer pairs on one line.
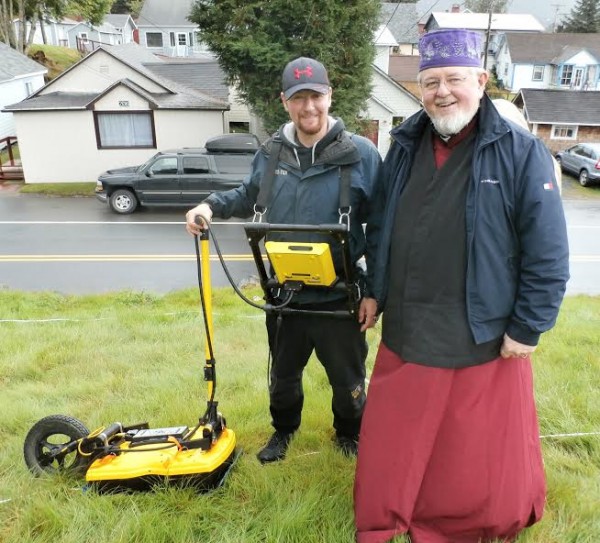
{"points": [[276, 448], [347, 445]]}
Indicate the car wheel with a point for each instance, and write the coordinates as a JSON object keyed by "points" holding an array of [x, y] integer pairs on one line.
{"points": [[559, 161], [584, 180], [123, 201], [47, 437]]}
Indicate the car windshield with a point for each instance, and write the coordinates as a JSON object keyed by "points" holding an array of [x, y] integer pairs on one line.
{"points": [[147, 163]]}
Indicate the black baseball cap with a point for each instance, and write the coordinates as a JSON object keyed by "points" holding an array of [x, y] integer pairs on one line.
{"points": [[304, 73]]}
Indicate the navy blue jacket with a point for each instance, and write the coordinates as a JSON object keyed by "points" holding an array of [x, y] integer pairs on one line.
{"points": [[313, 196], [517, 249]]}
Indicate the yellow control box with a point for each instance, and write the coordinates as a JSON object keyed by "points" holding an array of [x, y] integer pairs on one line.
{"points": [[309, 263]]}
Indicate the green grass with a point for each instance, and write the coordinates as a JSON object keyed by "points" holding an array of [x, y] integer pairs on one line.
{"points": [[60, 189], [56, 58], [136, 356], [5, 157], [572, 190]]}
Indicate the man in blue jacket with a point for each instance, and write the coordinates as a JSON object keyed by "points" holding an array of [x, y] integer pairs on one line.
{"points": [[315, 151], [470, 269]]}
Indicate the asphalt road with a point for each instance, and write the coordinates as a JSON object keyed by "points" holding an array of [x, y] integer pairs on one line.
{"points": [[77, 246]]}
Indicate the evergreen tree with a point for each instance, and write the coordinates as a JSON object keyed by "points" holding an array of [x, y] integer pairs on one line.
{"points": [[584, 18], [483, 6], [132, 7], [254, 39]]}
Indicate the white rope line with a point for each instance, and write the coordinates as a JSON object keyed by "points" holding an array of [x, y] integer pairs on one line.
{"points": [[575, 434]]}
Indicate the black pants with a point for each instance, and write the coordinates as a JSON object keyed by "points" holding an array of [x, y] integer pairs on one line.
{"points": [[341, 348]]}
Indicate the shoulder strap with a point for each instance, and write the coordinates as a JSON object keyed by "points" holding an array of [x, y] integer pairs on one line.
{"points": [[266, 184], [345, 178]]}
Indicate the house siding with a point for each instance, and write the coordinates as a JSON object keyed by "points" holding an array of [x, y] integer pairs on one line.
{"points": [[101, 69], [584, 134], [12, 92], [177, 129], [397, 104]]}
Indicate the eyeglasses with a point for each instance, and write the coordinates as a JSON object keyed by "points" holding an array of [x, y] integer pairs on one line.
{"points": [[454, 82]]}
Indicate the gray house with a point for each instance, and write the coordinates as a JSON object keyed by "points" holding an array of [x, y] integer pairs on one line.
{"points": [[164, 28], [400, 21]]}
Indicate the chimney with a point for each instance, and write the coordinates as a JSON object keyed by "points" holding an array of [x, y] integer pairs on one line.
{"points": [[455, 8]]}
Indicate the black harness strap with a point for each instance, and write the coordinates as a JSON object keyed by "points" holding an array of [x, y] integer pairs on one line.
{"points": [[266, 186]]}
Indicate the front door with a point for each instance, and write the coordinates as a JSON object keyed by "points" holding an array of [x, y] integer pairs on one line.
{"points": [[160, 182], [181, 44]]}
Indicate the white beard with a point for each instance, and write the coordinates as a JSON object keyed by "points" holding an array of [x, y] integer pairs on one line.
{"points": [[450, 125]]}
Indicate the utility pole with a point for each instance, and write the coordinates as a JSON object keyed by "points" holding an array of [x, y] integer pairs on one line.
{"points": [[556, 8], [487, 35]]}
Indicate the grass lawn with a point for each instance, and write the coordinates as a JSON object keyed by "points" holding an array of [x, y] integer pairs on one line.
{"points": [[56, 58], [134, 356]]}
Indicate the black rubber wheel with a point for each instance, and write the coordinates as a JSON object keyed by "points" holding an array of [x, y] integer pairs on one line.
{"points": [[123, 201], [584, 180], [49, 434]]}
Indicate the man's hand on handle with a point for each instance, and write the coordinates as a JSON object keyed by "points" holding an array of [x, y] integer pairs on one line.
{"points": [[198, 219]]}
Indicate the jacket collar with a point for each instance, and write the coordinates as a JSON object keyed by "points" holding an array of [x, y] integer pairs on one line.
{"points": [[491, 125]]}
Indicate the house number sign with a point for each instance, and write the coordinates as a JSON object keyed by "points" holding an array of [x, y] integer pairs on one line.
{"points": [[123, 103]]}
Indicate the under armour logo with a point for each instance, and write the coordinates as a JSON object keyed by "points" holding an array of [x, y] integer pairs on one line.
{"points": [[307, 72]]}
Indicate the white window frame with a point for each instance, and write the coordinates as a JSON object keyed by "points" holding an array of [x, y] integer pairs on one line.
{"points": [[538, 72], [559, 132], [566, 75]]}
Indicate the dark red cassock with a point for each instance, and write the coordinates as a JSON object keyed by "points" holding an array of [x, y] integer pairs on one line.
{"points": [[448, 456]]}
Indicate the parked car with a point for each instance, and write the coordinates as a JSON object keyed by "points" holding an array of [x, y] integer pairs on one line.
{"points": [[581, 160], [180, 176]]}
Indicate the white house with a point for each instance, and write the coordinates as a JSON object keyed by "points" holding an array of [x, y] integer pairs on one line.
{"points": [[549, 61], [499, 24], [109, 111], [19, 77], [389, 103], [114, 30]]}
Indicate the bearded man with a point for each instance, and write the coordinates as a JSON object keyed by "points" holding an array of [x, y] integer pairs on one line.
{"points": [[470, 269]]}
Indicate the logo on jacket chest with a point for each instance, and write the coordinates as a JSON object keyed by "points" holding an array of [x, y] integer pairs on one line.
{"points": [[279, 171]]}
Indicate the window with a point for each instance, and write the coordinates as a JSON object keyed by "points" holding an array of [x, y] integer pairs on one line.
{"points": [[172, 39], [538, 73], [566, 75], [239, 164], [124, 130], [28, 87], [181, 39], [83, 36], [154, 39], [397, 120], [191, 38], [164, 166], [561, 132], [239, 127], [195, 164]]}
